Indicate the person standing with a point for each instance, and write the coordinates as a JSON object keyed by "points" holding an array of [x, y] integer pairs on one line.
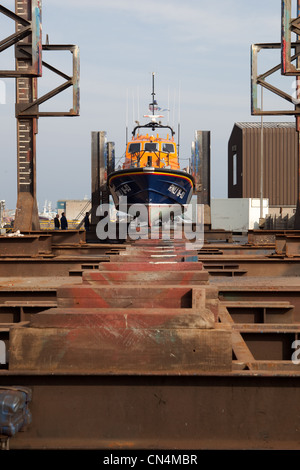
{"points": [[56, 222], [87, 222], [63, 222]]}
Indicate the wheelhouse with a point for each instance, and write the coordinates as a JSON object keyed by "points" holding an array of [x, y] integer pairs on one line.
{"points": [[150, 151]]}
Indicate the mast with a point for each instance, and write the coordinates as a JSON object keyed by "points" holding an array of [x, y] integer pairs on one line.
{"points": [[153, 124], [153, 94]]}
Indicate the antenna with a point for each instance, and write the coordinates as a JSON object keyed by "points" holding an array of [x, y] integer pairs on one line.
{"points": [[127, 117], [178, 144], [174, 107], [168, 105], [133, 107], [138, 103], [154, 106], [153, 94]]}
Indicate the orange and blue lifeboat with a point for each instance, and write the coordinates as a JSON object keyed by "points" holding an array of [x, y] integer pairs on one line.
{"points": [[151, 174]]}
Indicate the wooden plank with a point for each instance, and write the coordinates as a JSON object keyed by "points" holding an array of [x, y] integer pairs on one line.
{"points": [[120, 351]]}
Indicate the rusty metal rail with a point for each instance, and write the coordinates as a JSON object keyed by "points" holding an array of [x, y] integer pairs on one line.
{"points": [[150, 323]]}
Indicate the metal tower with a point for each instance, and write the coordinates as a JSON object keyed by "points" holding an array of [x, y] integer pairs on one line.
{"points": [[28, 68], [289, 66]]}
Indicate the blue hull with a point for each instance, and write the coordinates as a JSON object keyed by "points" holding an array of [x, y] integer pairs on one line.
{"points": [[151, 186]]}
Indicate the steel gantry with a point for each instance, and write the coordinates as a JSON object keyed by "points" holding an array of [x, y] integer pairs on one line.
{"points": [[289, 66], [28, 68]]}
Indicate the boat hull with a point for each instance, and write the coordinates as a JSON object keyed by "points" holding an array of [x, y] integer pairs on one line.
{"points": [[155, 188]]}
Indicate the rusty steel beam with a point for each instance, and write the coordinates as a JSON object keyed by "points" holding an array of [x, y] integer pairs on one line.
{"points": [[70, 237], [161, 277], [200, 166], [26, 215], [252, 267], [31, 109], [297, 106], [95, 344], [122, 328], [289, 26], [102, 164], [38, 267], [259, 80], [98, 172], [242, 411], [28, 26], [28, 57], [82, 355]]}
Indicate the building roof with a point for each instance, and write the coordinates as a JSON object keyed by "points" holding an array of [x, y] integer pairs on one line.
{"points": [[271, 125]]}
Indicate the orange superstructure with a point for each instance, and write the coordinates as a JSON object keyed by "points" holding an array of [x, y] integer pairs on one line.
{"points": [[151, 151]]}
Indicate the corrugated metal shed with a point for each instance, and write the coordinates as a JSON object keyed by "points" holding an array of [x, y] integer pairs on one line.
{"points": [[266, 125], [280, 162]]}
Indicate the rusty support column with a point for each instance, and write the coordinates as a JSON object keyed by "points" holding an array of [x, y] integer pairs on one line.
{"points": [[110, 157], [28, 68], [200, 166], [98, 172], [289, 25], [297, 214], [26, 217]]}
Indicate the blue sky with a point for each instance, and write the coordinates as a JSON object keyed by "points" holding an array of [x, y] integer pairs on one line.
{"points": [[199, 51]]}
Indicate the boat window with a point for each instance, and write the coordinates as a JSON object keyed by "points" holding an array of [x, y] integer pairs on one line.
{"points": [[151, 146], [133, 148], [168, 148]]}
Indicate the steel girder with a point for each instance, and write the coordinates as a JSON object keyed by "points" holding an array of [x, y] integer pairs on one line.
{"points": [[29, 65]]}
